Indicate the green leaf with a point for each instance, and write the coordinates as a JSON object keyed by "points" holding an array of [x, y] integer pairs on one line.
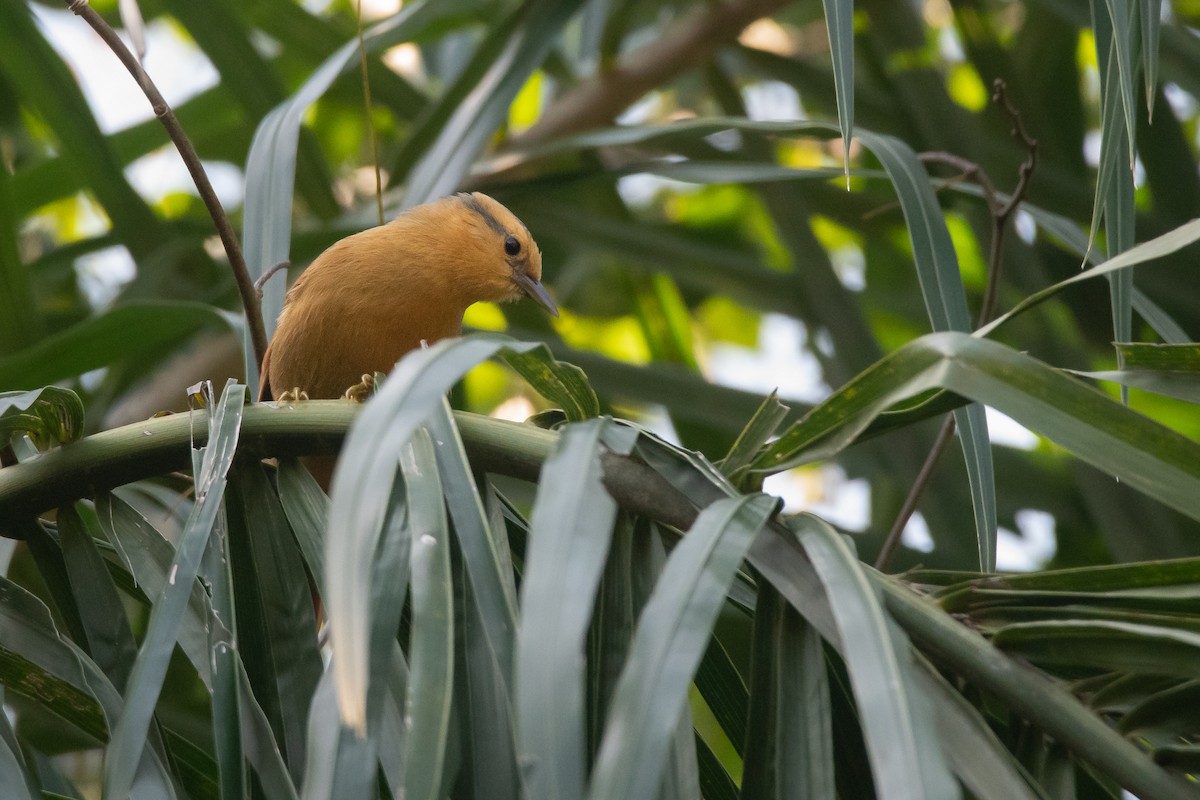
{"points": [[1166, 357], [48, 86], [307, 509], [276, 627], [568, 539], [946, 303], [489, 617], [50, 415], [671, 635], [1151, 34], [975, 754], [789, 752], [230, 706], [839, 22], [1171, 712], [20, 323], [754, 436], [1104, 645], [1122, 44], [1182, 385], [897, 716], [513, 49], [36, 662], [725, 692], [431, 647], [1144, 454], [15, 779], [340, 765], [122, 334], [148, 557], [129, 734], [1163, 245], [557, 381], [259, 744], [360, 499], [109, 638]]}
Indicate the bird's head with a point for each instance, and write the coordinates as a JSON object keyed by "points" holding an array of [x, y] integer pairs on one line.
{"points": [[497, 257]]}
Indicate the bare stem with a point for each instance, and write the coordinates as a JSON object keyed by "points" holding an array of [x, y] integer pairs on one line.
{"points": [[166, 116], [1001, 214]]}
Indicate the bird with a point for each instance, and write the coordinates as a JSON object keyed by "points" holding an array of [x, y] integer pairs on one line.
{"points": [[375, 295]]}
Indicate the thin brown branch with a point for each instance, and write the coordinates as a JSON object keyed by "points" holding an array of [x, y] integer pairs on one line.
{"points": [[1001, 215], [688, 42], [892, 540], [191, 159], [970, 172], [1000, 98]]}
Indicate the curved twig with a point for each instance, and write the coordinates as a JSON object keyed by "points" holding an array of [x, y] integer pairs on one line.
{"points": [[241, 274]]}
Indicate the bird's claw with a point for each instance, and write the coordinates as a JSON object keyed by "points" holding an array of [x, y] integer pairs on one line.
{"points": [[360, 391], [293, 395]]}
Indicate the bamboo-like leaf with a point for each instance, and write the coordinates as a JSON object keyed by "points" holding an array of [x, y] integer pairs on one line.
{"points": [[946, 303], [148, 556], [16, 780], [131, 18], [50, 415], [307, 510], [39, 664], [489, 618], [231, 706], [130, 331], [1105, 645], [897, 716], [431, 678], [109, 637], [667, 647], [1167, 358], [361, 488], [340, 765], [20, 323], [754, 436], [47, 84], [557, 381], [1122, 53], [725, 692], [1142, 453], [1180, 384], [258, 740], [525, 39], [790, 749], [129, 734], [276, 640], [1169, 242], [974, 752], [1171, 711], [568, 540], [1151, 34], [839, 22]]}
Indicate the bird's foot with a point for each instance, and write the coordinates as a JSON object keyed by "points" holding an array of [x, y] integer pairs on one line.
{"points": [[293, 395], [360, 391]]}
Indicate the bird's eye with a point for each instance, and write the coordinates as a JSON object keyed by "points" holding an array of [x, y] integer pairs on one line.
{"points": [[512, 246]]}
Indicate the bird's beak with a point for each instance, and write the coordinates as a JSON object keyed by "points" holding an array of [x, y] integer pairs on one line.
{"points": [[536, 291]]}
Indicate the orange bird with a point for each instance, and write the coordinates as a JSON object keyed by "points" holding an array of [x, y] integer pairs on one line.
{"points": [[373, 296]]}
